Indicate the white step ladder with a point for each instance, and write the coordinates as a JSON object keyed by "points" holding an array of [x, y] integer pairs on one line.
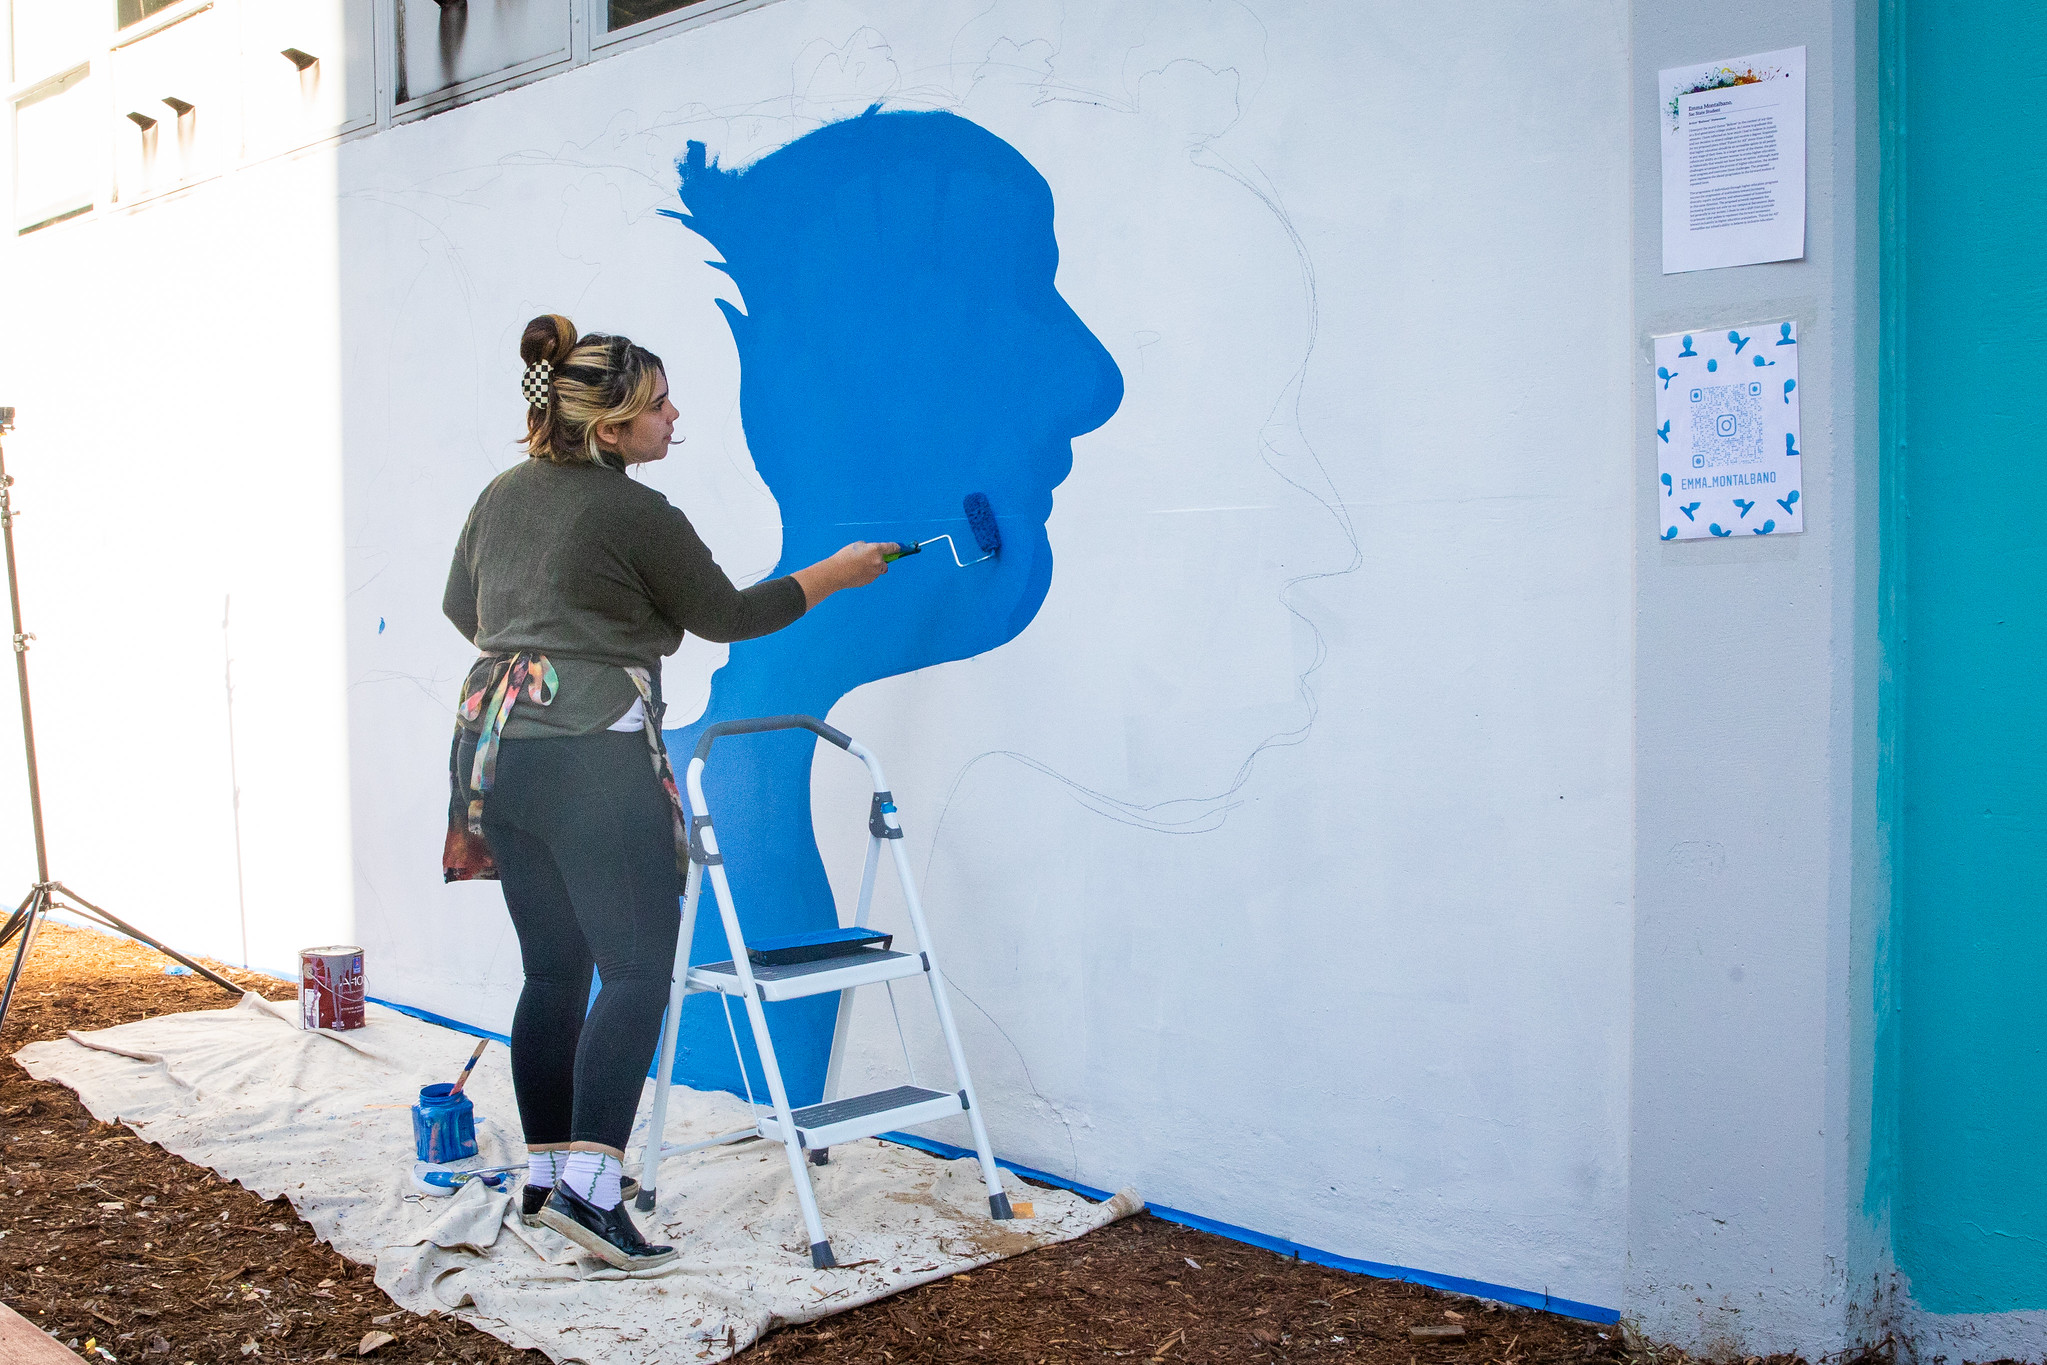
{"points": [[803, 965]]}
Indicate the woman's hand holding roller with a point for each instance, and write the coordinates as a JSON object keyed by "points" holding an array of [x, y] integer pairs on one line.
{"points": [[855, 566]]}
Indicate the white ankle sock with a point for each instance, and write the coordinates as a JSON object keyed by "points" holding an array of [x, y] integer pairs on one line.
{"points": [[594, 1177], [544, 1168]]}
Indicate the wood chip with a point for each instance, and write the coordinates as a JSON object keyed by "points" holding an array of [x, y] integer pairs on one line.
{"points": [[1436, 1332], [1104, 1294]]}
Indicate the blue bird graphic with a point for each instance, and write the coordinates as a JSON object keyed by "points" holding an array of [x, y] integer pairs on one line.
{"points": [[1746, 505], [1665, 375], [1667, 490], [1765, 528], [1688, 509], [1663, 435], [1739, 341], [1785, 503], [1789, 385], [1715, 529], [1760, 362], [1671, 534]]}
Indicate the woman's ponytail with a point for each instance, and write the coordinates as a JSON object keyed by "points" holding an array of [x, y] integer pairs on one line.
{"points": [[573, 386], [543, 346]]}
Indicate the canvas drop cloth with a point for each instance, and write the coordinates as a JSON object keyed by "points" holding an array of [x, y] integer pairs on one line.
{"points": [[288, 1112]]}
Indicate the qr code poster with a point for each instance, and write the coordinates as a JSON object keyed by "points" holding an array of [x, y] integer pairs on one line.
{"points": [[1727, 433]]}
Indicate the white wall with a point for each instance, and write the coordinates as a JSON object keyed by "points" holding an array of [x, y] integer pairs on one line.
{"points": [[1285, 859], [176, 372], [1760, 871]]}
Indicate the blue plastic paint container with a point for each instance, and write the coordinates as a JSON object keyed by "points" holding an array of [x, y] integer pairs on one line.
{"points": [[443, 1124]]}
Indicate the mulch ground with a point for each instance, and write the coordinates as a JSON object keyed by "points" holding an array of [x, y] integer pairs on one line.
{"points": [[127, 1253]]}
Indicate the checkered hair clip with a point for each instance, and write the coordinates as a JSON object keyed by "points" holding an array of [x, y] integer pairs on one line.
{"points": [[535, 381]]}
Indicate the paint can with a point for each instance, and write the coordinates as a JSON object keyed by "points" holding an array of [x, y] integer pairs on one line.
{"points": [[330, 988], [443, 1124]]}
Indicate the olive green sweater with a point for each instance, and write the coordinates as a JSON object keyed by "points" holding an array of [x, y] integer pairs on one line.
{"points": [[595, 571]]}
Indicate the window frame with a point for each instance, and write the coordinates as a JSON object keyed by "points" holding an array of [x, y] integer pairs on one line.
{"points": [[32, 218], [476, 87], [604, 43]]}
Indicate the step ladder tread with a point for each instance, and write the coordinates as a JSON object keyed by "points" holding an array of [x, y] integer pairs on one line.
{"points": [[862, 1106], [790, 971]]}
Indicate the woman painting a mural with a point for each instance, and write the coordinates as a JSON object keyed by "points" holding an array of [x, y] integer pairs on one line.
{"points": [[575, 582]]}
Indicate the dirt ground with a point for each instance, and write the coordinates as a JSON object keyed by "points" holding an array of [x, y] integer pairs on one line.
{"points": [[127, 1253]]}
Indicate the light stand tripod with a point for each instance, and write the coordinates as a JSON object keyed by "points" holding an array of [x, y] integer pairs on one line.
{"points": [[43, 897]]}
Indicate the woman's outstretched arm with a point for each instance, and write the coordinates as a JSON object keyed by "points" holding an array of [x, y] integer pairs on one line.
{"points": [[693, 593]]}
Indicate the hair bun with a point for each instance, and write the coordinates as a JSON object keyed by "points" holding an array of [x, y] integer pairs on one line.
{"points": [[549, 337]]}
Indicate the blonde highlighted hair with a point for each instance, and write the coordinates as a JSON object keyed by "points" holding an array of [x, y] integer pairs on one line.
{"points": [[595, 379]]}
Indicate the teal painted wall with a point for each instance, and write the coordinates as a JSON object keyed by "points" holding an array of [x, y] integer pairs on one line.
{"points": [[1970, 1087]]}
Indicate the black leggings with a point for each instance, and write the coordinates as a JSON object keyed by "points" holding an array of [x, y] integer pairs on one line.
{"points": [[585, 849]]}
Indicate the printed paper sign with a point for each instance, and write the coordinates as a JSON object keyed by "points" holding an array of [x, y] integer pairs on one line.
{"points": [[1733, 137], [1727, 433]]}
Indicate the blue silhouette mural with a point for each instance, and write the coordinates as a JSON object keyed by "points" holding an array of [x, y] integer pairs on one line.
{"points": [[901, 344]]}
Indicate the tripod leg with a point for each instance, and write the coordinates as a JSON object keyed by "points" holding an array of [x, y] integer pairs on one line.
{"points": [[37, 904], [15, 920], [116, 922]]}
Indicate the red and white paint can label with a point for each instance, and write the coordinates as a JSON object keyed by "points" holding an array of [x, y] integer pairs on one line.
{"points": [[330, 988]]}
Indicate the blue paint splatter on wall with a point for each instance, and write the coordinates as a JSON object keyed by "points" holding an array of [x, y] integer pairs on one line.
{"points": [[901, 344]]}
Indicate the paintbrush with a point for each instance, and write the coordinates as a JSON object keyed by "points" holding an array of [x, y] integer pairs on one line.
{"points": [[463, 1079]]}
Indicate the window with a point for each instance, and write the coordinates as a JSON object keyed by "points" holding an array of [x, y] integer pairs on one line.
{"points": [[58, 114], [625, 13], [445, 51], [53, 38], [57, 166], [128, 12]]}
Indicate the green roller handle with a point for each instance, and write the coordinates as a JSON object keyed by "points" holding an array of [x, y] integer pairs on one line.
{"points": [[901, 552]]}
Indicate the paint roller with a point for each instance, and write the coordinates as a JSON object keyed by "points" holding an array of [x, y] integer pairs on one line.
{"points": [[980, 521]]}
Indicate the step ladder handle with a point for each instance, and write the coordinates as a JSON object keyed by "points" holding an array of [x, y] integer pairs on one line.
{"points": [[763, 1043], [712, 733], [671, 1027], [998, 1202], [866, 756], [842, 1027]]}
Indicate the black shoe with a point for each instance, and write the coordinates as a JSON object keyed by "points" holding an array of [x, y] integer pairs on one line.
{"points": [[608, 1234], [534, 1196]]}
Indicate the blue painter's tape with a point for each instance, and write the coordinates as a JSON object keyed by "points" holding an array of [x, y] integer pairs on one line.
{"points": [[1454, 1284], [443, 1020], [952, 1153]]}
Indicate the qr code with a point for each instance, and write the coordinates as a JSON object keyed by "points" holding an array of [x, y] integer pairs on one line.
{"points": [[1727, 425]]}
